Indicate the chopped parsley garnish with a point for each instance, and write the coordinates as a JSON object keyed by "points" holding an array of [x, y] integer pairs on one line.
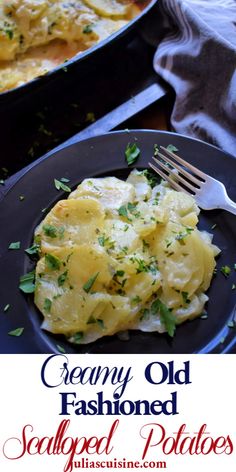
{"points": [[47, 305], [120, 273], [6, 307], [64, 180], [129, 210], [43, 130], [142, 266], [2, 182], [185, 297], [151, 177], [132, 153], [225, 270], [124, 250], [61, 232], [52, 262], [90, 117], [91, 320], [155, 150], [88, 285], [167, 318], [33, 250], [14, 245], [144, 313], [171, 148], [61, 186], [106, 242], [9, 32], [100, 322], [16, 332], [183, 234], [135, 300], [123, 212], [233, 287], [60, 349], [231, 324], [62, 278], [50, 231], [21, 198], [77, 337], [27, 282], [88, 29]]}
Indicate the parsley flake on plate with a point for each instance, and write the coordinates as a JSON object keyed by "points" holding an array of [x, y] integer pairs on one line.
{"points": [[60, 349], [33, 250], [14, 245], [16, 332], [225, 270], [27, 282], [61, 186], [171, 148], [132, 153], [77, 337]]}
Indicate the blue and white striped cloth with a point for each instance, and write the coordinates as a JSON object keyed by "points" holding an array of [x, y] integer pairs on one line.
{"points": [[197, 57]]}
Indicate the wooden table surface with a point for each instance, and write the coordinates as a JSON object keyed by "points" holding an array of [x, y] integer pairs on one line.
{"points": [[38, 124]]}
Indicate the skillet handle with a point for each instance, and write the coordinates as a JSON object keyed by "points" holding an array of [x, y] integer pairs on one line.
{"points": [[122, 113]]}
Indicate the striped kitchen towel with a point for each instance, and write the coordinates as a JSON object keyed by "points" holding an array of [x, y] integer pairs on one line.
{"points": [[196, 55]]}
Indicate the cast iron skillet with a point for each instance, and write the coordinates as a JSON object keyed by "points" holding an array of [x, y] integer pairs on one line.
{"points": [[100, 156], [79, 63]]}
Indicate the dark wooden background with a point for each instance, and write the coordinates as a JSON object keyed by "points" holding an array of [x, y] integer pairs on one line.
{"points": [[43, 119]]}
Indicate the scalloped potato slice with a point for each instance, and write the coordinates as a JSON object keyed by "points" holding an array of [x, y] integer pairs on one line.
{"points": [[181, 261], [179, 204], [116, 315], [110, 191], [194, 309], [140, 287], [122, 238], [80, 263], [143, 219], [109, 8], [71, 222], [68, 281], [140, 182]]}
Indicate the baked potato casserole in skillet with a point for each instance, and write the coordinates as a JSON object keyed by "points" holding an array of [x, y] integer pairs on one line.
{"points": [[38, 35]]}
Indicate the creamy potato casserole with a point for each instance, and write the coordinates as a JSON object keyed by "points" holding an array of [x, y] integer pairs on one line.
{"points": [[38, 35], [119, 255]]}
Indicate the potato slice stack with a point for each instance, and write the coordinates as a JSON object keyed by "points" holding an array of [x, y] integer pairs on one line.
{"points": [[121, 255]]}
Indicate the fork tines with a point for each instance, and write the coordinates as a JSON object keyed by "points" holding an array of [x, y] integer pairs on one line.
{"points": [[181, 175]]}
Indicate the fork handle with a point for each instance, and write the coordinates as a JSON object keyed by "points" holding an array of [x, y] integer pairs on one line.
{"points": [[230, 206]]}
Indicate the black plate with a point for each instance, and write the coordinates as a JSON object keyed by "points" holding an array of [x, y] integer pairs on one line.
{"points": [[104, 155], [56, 78]]}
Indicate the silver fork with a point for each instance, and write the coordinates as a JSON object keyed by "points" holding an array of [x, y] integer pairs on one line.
{"points": [[209, 193]]}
